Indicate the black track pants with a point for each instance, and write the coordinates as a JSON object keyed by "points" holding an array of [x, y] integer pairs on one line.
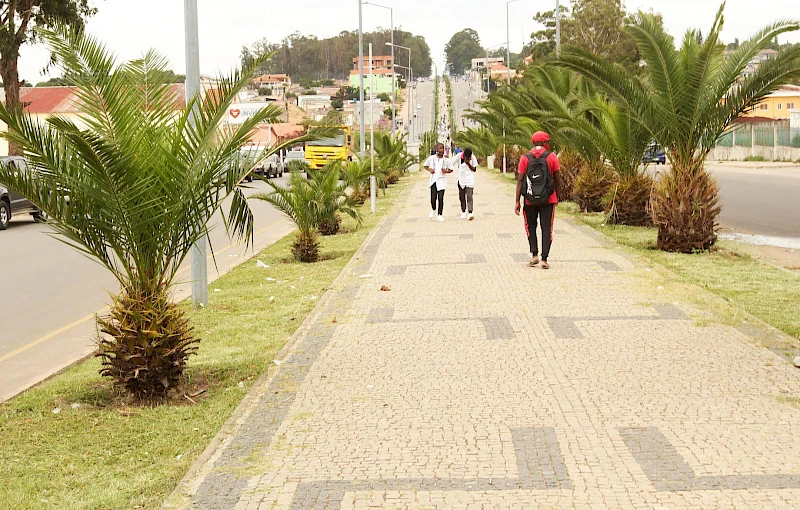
{"points": [[437, 195], [533, 215]]}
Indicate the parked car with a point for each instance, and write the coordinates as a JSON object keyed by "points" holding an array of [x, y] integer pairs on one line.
{"points": [[654, 154], [11, 202], [273, 166]]}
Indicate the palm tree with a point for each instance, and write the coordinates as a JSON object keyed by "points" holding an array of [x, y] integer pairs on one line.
{"points": [[356, 175], [332, 198], [689, 97], [298, 202], [391, 158], [143, 177]]}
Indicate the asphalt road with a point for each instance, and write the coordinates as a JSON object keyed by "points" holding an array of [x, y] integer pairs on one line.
{"points": [[757, 198], [49, 293]]}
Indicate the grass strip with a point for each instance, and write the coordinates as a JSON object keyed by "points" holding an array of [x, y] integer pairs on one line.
{"points": [[73, 442], [728, 271]]}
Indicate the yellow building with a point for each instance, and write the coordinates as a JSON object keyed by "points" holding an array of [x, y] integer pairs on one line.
{"points": [[778, 105]]}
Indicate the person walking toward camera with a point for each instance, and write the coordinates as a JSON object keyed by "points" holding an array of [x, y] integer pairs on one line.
{"points": [[438, 166], [467, 166], [538, 181]]}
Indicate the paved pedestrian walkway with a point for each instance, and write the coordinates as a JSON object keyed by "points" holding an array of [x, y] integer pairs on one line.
{"points": [[476, 382]]}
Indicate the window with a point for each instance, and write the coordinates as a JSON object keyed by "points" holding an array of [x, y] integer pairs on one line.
{"points": [[763, 106], [780, 106], [789, 106]]}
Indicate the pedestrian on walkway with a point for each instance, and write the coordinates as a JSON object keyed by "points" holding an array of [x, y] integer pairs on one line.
{"points": [[439, 167], [467, 166], [538, 180]]}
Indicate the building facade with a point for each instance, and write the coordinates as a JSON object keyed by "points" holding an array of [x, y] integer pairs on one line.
{"points": [[382, 73]]}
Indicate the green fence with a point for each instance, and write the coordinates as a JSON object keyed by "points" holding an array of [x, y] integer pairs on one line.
{"points": [[763, 136]]}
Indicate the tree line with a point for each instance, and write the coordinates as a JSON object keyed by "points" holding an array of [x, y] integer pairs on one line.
{"points": [[302, 56]]}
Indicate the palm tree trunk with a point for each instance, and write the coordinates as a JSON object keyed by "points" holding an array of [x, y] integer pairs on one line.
{"points": [[685, 208]]}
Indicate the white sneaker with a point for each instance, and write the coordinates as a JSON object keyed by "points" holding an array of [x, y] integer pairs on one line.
{"points": [[471, 216], [440, 218], [463, 215], [431, 215]]}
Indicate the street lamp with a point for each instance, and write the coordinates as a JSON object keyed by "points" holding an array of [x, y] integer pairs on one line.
{"points": [[394, 85], [408, 83], [488, 75], [362, 127], [192, 38], [508, 43], [558, 29]]}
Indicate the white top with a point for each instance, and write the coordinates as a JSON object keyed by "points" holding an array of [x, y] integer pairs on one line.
{"points": [[438, 177], [466, 177]]}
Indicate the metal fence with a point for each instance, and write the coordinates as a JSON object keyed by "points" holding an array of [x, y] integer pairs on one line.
{"points": [[764, 136]]}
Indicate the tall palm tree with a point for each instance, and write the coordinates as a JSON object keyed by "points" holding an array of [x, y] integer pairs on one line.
{"points": [[688, 97], [142, 176]]}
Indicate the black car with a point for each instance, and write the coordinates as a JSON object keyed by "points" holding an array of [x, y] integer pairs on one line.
{"points": [[11, 202]]}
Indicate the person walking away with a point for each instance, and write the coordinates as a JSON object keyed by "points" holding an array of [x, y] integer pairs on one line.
{"points": [[439, 167], [467, 166], [538, 181]]}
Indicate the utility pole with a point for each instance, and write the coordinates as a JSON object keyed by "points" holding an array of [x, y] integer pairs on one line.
{"points": [[200, 248], [558, 29], [372, 186], [363, 131]]}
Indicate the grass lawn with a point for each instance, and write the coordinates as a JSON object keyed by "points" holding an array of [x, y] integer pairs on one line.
{"points": [[72, 442], [728, 271]]}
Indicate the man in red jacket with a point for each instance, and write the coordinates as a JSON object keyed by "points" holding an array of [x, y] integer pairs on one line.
{"points": [[539, 213]]}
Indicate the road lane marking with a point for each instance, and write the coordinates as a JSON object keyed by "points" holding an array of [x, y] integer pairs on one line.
{"points": [[64, 329]]}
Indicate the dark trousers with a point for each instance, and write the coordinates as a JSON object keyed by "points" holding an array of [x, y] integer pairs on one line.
{"points": [[437, 195], [465, 196], [544, 214]]}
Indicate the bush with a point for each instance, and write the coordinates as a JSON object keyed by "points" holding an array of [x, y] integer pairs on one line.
{"points": [[570, 163], [309, 92], [592, 184], [264, 91], [513, 155], [628, 202]]}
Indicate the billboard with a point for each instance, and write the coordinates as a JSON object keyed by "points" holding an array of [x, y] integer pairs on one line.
{"points": [[239, 112]]}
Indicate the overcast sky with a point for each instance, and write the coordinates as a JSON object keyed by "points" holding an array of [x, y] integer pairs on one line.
{"points": [[131, 27]]}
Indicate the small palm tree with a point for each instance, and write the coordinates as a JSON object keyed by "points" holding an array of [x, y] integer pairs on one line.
{"points": [[688, 97], [356, 177], [391, 157], [298, 201], [143, 179], [332, 198]]}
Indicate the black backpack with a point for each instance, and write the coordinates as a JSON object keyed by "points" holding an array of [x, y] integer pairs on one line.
{"points": [[538, 184]]}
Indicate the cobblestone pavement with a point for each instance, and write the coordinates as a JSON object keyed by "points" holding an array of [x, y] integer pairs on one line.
{"points": [[477, 382]]}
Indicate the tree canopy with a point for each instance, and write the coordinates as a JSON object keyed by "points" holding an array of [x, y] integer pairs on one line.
{"points": [[20, 21], [462, 48], [309, 57]]}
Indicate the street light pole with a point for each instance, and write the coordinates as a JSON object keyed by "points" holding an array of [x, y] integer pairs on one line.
{"points": [[394, 84], [372, 190], [508, 42], [200, 248], [558, 29], [362, 126]]}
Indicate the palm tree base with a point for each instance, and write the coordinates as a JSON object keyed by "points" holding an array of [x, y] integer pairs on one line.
{"points": [[305, 247], [145, 342], [592, 184], [330, 226], [628, 203], [685, 209]]}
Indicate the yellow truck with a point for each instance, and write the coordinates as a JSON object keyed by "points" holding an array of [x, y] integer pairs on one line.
{"points": [[338, 146]]}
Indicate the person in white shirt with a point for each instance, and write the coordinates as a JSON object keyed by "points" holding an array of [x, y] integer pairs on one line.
{"points": [[439, 167], [467, 166]]}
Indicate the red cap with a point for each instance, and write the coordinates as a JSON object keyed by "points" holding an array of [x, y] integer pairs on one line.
{"points": [[540, 137]]}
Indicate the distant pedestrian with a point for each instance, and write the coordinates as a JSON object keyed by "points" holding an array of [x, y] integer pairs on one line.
{"points": [[438, 166], [467, 166], [458, 150], [538, 180]]}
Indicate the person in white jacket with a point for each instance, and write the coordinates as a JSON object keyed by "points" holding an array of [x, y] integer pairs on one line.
{"points": [[467, 166], [438, 166]]}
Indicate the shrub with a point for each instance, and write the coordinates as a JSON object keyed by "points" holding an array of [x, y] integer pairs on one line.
{"points": [[592, 184]]}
